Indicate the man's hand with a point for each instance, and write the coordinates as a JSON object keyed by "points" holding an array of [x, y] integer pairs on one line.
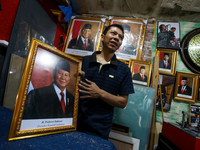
{"points": [[90, 89], [81, 73]]}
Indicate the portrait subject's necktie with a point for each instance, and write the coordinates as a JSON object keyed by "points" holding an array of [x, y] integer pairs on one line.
{"points": [[182, 90], [62, 101], [165, 64], [143, 77], [85, 44]]}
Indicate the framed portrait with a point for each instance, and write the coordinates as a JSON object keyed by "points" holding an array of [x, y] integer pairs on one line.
{"points": [[134, 32], [167, 61], [190, 51], [47, 100], [194, 120], [168, 35], [167, 86], [186, 87], [141, 71], [83, 36], [57, 13]]}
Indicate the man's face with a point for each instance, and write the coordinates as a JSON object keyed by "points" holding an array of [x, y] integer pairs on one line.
{"points": [[142, 71], [173, 30], [86, 33], [183, 82], [113, 38], [62, 79], [166, 57], [164, 28]]}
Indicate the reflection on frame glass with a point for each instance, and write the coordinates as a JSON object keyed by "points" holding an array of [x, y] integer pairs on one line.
{"points": [[134, 31], [167, 61], [186, 87], [47, 101], [167, 85], [168, 35], [83, 36], [141, 71]]}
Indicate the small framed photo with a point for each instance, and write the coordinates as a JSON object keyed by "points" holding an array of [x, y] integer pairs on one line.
{"points": [[84, 36], [186, 87], [167, 61], [47, 100], [141, 71], [194, 120], [168, 35], [167, 86], [134, 31]]}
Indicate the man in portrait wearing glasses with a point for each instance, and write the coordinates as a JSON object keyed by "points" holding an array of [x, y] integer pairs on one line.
{"points": [[53, 101], [83, 42]]}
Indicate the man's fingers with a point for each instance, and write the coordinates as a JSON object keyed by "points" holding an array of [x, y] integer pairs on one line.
{"points": [[84, 84]]}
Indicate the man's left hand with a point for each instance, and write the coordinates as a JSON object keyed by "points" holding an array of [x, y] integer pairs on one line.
{"points": [[90, 89]]}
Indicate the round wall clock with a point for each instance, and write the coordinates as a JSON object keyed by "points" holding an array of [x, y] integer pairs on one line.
{"points": [[190, 50]]}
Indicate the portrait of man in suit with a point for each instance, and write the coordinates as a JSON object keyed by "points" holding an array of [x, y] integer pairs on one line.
{"points": [[83, 42], [184, 88], [140, 76], [165, 63], [127, 47], [53, 101]]}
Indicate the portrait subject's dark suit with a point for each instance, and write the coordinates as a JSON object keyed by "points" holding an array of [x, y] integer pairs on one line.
{"points": [[77, 43], [43, 103], [139, 78], [162, 64], [187, 90]]}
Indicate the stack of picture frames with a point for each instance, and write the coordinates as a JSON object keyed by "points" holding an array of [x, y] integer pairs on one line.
{"points": [[179, 85]]}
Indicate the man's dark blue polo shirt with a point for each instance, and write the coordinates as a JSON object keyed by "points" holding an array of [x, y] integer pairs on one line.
{"points": [[95, 115]]}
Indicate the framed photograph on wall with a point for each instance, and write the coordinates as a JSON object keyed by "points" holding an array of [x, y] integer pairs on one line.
{"points": [[167, 86], [167, 61], [134, 32], [168, 35], [194, 120], [186, 87], [141, 71], [47, 100], [84, 36]]}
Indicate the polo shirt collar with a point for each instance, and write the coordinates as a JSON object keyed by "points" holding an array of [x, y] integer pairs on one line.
{"points": [[93, 58]]}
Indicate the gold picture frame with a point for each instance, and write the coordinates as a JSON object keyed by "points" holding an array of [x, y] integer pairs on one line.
{"points": [[136, 67], [38, 110], [81, 29], [189, 92], [57, 13], [134, 32], [170, 67]]}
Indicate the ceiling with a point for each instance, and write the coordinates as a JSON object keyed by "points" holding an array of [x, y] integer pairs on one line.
{"points": [[170, 10]]}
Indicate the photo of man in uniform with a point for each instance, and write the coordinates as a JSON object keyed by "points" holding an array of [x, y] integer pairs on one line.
{"points": [[83, 42], [140, 76], [127, 47], [165, 63], [53, 101], [184, 88]]}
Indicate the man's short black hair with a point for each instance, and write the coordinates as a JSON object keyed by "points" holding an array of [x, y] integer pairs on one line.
{"points": [[166, 54], [173, 28], [161, 27], [62, 64], [113, 25]]}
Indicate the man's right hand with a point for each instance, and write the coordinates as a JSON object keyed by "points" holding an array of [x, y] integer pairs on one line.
{"points": [[81, 73]]}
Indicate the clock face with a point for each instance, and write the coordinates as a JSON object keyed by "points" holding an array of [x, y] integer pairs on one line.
{"points": [[190, 50], [194, 49]]}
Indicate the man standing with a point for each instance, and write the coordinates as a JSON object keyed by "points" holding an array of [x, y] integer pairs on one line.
{"points": [[104, 78], [163, 37], [83, 42], [140, 76], [165, 63], [127, 47], [53, 101], [184, 88]]}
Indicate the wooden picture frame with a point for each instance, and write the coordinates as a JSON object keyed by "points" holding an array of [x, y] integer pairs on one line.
{"points": [[136, 67], [190, 91], [170, 56], [38, 110], [134, 32], [168, 35], [82, 28]]}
